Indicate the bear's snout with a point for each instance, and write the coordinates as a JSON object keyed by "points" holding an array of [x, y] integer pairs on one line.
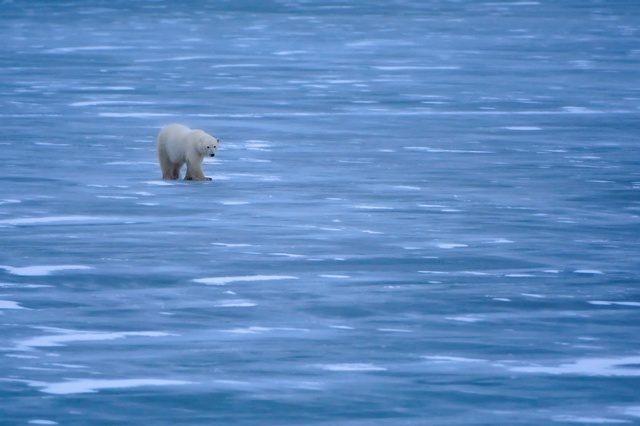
{"points": [[212, 155]]}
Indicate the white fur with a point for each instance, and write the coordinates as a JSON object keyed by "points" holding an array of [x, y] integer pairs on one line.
{"points": [[178, 144]]}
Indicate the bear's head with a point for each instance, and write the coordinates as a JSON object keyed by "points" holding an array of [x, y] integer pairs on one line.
{"points": [[205, 144]]}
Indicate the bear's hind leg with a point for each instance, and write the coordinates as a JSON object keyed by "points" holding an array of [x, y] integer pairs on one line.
{"points": [[167, 167], [175, 171], [167, 171]]}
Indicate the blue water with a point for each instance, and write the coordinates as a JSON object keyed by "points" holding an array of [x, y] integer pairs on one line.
{"points": [[422, 212]]}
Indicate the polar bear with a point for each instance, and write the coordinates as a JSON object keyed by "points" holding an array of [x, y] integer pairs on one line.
{"points": [[178, 144]]}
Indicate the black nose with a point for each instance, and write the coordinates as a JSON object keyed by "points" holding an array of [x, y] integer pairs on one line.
{"points": [[213, 155]]}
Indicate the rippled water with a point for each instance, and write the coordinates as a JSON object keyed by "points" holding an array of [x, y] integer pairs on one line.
{"points": [[423, 212]]}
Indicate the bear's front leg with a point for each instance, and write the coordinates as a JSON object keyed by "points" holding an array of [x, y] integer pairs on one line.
{"points": [[194, 178], [194, 172]]}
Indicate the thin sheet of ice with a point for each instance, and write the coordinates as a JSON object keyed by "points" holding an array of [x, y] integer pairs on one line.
{"points": [[509, 127]]}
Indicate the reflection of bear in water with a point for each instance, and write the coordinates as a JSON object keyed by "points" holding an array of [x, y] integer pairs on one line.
{"points": [[178, 144]]}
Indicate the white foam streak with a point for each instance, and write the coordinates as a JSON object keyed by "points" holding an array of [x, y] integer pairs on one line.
{"points": [[93, 385], [235, 303], [415, 68], [98, 103], [450, 359], [42, 270], [84, 49], [464, 318], [358, 366], [69, 336], [565, 418], [372, 207], [588, 271], [8, 304], [440, 150], [242, 278], [522, 128], [612, 367], [449, 246], [260, 330], [52, 220], [158, 183], [613, 303], [133, 114]]}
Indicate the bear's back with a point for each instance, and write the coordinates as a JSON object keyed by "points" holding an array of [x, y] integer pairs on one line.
{"points": [[172, 139]]}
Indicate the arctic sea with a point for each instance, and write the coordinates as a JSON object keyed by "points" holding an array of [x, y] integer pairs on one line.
{"points": [[422, 213]]}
